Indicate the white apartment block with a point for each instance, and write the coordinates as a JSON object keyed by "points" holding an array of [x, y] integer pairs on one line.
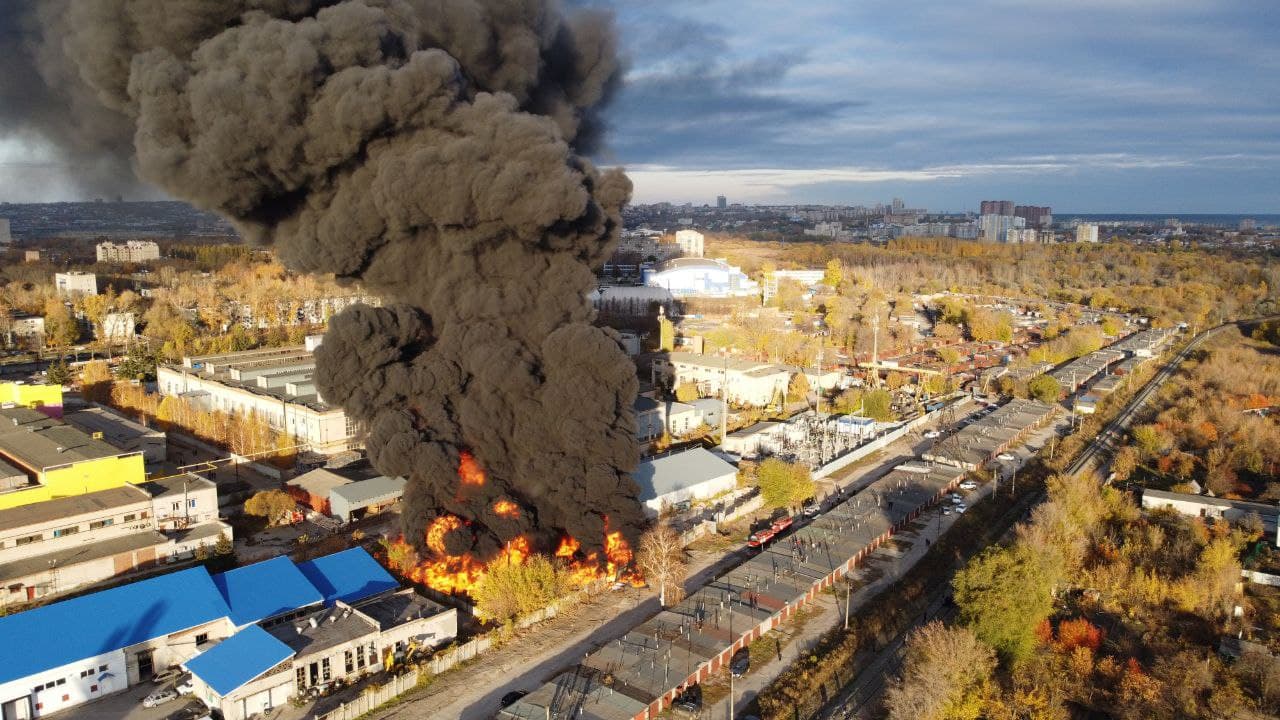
{"points": [[1086, 233], [691, 242], [277, 384], [132, 251], [70, 283], [749, 383]]}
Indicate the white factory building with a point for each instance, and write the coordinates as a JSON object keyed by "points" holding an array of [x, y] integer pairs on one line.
{"points": [[73, 282], [701, 277], [749, 382], [692, 243], [696, 474], [275, 383]]}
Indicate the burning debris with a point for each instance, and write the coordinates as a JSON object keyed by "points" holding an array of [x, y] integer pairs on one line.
{"points": [[432, 151]]}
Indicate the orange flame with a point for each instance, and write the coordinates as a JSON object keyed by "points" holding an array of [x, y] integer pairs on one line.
{"points": [[506, 508], [440, 527], [469, 470], [568, 547]]}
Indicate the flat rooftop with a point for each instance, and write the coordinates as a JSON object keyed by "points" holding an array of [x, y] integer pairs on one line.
{"points": [[332, 627], [73, 506], [82, 554], [115, 428], [176, 485], [398, 608], [656, 656], [32, 439], [241, 370]]}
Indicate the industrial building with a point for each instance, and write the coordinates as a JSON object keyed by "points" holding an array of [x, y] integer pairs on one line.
{"points": [[76, 282], [58, 546], [59, 460], [701, 277], [45, 398], [130, 251], [1214, 508], [759, 439], [696, 474], [691, 243], [275, 383], [654, 418], [224, 628], [346, 493], [979, 443], [640, 675], [749, 383]]}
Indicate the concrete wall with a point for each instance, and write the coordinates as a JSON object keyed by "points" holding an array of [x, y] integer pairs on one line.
{"points": [[701, 491]]}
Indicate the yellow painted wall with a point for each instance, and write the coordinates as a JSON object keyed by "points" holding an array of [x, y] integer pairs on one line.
{"points": [[30, 395], [80, 478]]}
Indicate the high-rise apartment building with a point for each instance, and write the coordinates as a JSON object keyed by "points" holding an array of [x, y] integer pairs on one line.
{"points": [[691, 242], [997, 207], [1086, 232], [1248, 225], [1035, 215], [722, 202], [132, 251], [994, 228]]}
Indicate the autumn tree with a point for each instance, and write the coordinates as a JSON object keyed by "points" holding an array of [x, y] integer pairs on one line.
{"points": [[60, 329], [661, 558], [1124, 462], [878, 405], [687, 391], [513, 588], [784, 484], [274, 505], [798, 388], [945, 676], [95, 381]]}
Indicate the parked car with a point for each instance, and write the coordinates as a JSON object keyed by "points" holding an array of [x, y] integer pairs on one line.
{"points": [[968, 485], [961, 507], [933, 434], [946, 511], [689, 703], [740, 663], [167, 675], [1007, 457], [810, 508], [159, 697], [186, 686], [193, 711], [512, 698]]}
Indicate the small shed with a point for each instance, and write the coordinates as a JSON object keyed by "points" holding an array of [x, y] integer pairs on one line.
{"points": [[312, 488], [365, 497]]}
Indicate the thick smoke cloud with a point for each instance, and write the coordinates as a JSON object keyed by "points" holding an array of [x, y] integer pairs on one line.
{"points": [[431, 149]]}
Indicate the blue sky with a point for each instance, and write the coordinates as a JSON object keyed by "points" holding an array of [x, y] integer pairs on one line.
{"points": [[1085, 105]]}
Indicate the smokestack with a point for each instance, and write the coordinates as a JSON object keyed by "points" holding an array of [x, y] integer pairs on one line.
{"points": [[432, 151]]}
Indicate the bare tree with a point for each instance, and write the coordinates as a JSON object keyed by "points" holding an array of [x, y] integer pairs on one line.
{"points": [[661, 559]]}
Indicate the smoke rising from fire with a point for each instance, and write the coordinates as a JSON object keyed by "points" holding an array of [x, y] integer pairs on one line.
{"points": [[433, 150]]}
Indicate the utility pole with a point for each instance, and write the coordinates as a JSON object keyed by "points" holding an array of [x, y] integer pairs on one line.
{"points": [[875, 348], [724, 403]]}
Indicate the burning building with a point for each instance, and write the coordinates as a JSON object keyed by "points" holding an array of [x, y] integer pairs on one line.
{"points": [[433, 151]]}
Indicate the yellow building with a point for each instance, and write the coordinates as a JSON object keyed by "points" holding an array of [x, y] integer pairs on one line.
{"points": [[55, 460], [31, 396]]}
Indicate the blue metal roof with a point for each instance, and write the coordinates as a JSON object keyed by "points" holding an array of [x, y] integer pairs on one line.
{"points": [[262, 590], [239, 659], [72, 630], [348, 576]]}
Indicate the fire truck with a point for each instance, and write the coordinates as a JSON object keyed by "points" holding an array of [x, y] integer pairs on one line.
{"points": [[760, 538]]}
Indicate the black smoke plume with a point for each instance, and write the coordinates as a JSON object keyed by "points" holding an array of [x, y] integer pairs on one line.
{"points": [[432, 150]]}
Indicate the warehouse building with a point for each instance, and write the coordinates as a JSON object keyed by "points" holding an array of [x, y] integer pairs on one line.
{"points": [[277, 384], [696, 474], [58, 459], [75, 651], [749, 382], [62, 545], [346, 493], [980, 442], [45, 398], [1214, 508], [641, 675]]}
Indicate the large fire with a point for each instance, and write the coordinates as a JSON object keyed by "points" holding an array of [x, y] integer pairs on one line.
{"points": [[453, 574]]}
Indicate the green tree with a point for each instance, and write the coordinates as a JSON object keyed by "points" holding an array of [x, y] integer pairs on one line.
{"points": [[1003, 594], [59, 373], [510, 589], [138, 364], [878, 405], [1044, 388], [687, 391], [784, 484], [274, 505]]}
